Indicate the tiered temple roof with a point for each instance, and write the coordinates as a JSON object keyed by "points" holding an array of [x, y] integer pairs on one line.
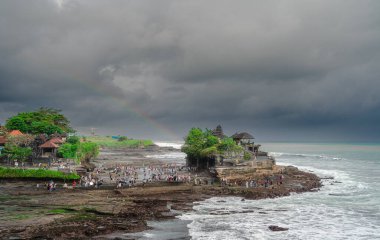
{"points": [[218, 132]]}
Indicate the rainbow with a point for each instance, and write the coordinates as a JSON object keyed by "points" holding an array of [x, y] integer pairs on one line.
{"points": [[136, 112]]}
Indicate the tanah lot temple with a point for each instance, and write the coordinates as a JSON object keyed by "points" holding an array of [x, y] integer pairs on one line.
{"points": [[249, 160]]}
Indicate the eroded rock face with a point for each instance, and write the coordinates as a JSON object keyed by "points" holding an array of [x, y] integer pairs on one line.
{"points": [[277, 228]]}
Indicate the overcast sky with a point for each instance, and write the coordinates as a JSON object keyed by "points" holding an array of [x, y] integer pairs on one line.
{"points": [[281, 70]]}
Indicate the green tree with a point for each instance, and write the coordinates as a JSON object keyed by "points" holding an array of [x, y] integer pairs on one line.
{"points": [[17, 123], [80, 152], [228, 145], [24, 140], [194, 143], [87, 150], [45, 127], [44, 120], [68, 151], [17, 153], [73, 140], [201, 145]]}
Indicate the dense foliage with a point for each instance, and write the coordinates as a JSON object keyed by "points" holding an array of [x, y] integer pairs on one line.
{"points": [[36, 173], [17, 153], [79, 151], [42, 121], [200, 144], [18, 147]]}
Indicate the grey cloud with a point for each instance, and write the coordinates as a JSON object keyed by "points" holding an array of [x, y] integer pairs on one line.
{"points": [[268, 67]]}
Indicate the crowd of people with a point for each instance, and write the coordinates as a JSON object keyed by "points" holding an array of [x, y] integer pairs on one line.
{"points": [[126, 175]]}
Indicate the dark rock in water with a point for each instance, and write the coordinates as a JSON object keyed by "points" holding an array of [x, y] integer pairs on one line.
{"points": [[277, 228], [327, 178], [338, 194], [242, 199]]}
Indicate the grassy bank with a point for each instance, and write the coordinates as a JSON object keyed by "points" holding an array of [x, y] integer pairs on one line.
{"points": [[115, 143], [36, 174]]}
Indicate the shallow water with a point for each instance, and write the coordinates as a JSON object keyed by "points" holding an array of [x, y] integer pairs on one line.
{"points": [[173, 229]]}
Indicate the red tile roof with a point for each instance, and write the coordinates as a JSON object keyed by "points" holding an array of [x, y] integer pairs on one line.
{"points": [[15, 133], [56, 140], [49, 144]]}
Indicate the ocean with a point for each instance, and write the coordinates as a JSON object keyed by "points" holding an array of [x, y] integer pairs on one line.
{"points": [[346, 207]]}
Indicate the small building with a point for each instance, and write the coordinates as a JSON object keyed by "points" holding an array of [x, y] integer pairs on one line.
{"points": [[246, 140], [49, 149], [56, 141]]}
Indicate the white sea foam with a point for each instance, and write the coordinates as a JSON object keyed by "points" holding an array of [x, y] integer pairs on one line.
{"points": [[346, 207], [176, 145], [171, 155], [303, 155]]}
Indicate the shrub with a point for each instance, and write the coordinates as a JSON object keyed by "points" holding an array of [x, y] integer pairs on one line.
{"points": [[36, 173], [247, 156]]}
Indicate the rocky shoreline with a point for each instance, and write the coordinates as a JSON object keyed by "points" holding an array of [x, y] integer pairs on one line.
{"points": [[89, 213], [94, 213]]}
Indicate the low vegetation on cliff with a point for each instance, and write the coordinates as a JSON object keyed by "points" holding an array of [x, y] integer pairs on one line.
{"points": [[119, 142]]}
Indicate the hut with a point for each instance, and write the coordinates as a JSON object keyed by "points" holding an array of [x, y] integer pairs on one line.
{"points": [[48, 149], [242, 138], [245, 140], [56, 141]]}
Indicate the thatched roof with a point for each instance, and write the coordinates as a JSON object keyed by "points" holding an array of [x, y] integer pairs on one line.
{"points": [[218, 132], [49, 144], [243, 135], [56, 140]]}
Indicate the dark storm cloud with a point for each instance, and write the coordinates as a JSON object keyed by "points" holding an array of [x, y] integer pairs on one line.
{"points": [[283, 70]]}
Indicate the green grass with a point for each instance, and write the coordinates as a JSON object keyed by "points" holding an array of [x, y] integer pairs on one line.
{"points": [[62, 210], [114, 143], [5, 198], [21, 216], [82, 214], [36, 173]]}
